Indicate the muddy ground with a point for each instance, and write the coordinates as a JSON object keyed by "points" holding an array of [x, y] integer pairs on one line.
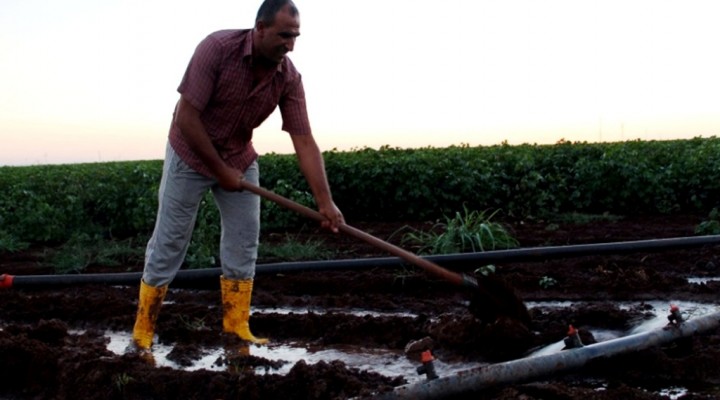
{"points": [[52, 343]]}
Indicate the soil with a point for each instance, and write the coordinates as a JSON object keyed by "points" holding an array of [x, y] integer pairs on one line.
{"points": [[52, 342]]}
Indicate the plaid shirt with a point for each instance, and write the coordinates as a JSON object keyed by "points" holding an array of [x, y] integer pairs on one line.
{"points": [[218, 82]]}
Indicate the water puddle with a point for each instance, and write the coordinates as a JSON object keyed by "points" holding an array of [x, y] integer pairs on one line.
{"points": [[700, 281], [661, 310], [674, 392], [385, 362], [658, 313], [353, 312], [657, 318], [394, 363]]}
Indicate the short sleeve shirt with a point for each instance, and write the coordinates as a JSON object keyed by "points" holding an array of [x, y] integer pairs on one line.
{"points": [[219, 83]]}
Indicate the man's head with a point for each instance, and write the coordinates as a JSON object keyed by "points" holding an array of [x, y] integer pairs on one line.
{"points": [[277, 25]]}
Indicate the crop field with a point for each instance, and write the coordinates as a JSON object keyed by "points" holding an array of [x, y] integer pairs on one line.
{"points": [[355, 330]]}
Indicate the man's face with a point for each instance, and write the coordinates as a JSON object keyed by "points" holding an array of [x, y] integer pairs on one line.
{"points": [[278, 39]]}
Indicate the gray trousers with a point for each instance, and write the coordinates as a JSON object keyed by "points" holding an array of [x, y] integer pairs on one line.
{"points": [[181, 191]]}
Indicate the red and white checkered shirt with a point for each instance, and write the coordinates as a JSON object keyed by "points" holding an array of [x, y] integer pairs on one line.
{"points": [[218, 82]]}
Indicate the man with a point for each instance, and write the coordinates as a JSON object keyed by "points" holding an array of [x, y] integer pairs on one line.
{"points": [[233, 82]]}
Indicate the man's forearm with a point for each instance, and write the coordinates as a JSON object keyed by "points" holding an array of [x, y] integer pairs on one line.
{"points": [[314, 170], [312, 166], [199, 141]]}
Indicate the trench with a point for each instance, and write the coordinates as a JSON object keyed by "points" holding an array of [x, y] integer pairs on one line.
{"points": [[387, 362], [394, 363]]}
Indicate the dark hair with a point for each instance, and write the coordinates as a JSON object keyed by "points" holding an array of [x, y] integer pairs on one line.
{"points": [[268, 9]]}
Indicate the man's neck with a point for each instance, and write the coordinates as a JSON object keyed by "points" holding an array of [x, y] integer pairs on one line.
{"points": [[258, 61]]}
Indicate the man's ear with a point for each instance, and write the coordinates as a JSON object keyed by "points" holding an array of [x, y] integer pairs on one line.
{"points": [[260, 28]]}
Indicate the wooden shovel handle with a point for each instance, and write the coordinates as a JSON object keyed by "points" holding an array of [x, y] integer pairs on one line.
{"points": [[426, 265]]}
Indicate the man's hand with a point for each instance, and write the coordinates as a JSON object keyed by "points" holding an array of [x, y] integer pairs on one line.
{"points": [[230, 179], [334, 217], [187, 118]]}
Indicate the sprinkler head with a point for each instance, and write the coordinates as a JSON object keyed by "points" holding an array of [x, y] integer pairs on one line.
{"points": [[426, 357], [414, 349], [675, 317], [571, 330], [573, 341], [428, 368]]}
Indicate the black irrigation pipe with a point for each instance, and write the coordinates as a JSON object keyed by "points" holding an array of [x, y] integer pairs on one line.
{"points": [[201, 278]]}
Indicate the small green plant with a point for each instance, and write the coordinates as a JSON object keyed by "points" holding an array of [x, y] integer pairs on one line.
{"points": [[67, 261], [470, 231], [552, 227], [122, 380], [578, 218], [292, 249], [193, 324], [73, 256], [486, 270], [547, 282], [402, 274], [114, 253], [711, 226], [82, 250], [11, 244]]}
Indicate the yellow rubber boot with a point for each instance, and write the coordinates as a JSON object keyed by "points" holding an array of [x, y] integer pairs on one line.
{"points": [[236, 295], [151, 299]]}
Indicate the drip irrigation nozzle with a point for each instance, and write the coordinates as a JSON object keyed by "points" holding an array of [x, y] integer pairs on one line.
{"points": [[427, 367], [675, 316], [573, 341]]}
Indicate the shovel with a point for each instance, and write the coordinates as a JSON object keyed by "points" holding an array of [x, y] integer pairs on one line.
{"points": [[492, 298]]}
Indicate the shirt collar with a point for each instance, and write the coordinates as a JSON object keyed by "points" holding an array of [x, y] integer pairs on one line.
{"points": [[248, 48]]}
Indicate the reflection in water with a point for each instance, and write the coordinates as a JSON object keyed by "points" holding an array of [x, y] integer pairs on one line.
{"points": [[384, 361]]}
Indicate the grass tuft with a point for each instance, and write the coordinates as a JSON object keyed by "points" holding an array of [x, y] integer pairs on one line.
{"points": [[467, 232], [292, 249]]}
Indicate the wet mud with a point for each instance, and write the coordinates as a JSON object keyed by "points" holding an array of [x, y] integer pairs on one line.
{"points": [[53, 342]]}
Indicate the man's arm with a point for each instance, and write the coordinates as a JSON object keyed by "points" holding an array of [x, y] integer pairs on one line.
{"points": [[188, 120], [313, 167]]}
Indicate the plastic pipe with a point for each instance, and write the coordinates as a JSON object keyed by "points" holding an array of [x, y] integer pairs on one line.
{"points": [[208, 276], [473, 260], [526, 369], [542, 253]]}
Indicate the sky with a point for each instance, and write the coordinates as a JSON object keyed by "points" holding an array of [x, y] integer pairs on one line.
{"points": [[96, 81]]}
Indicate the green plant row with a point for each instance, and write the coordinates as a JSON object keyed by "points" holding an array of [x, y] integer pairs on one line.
{"points": [[623, 178], [49, 204]]}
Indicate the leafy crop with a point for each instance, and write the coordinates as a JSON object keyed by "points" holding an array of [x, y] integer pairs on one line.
{"points": [[10, 243], [116, 201]]}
